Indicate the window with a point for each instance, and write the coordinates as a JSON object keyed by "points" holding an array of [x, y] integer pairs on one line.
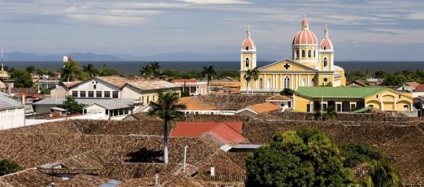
{"points": [[107, 94], [247, 48], [376, 96], [372, 106], [98, 93], [261, 83], [287, 82], [309, 53], [405, 107], [74, 93], [297, 53], [107, 112], [303, 82], [314, 53], [325, 79], [148, 99], [94, 86], [90, 93], [115, 94], [303, 53], [82, 94], [325, 62], [247, 62], [154, 98], [325, 47]]}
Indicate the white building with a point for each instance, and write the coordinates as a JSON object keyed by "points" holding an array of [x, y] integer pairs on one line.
{"points": [[12, 113]]}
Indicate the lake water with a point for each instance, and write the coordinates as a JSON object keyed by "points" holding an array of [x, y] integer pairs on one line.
{"points": [[133, 67]]}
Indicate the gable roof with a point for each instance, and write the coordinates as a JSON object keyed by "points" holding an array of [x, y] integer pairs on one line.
{"points": [[334, 92], [263, 108], [288, 61], [155, 84], [8, 103], [419, 88], [228, 132], [193, 103]]}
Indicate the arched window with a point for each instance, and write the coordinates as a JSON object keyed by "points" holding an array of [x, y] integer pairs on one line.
{"points": [[325, 47], [325, 62], [303, 53], [287, 82], [247, 48], [312, 82], [314, 53], [405, 107], [309, 53], [247, 62], [297, 53], [303, 82]]}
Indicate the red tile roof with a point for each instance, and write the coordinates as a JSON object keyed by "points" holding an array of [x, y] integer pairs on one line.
{"points": [[228, 132], [419, 88]]}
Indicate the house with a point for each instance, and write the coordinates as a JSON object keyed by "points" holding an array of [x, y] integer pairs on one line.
{"points": [[192, 86], [256, 109], [346, 99], [224, 132], [356, 83], [418, 91], [283, 101], [12, 113], [117, 87]]}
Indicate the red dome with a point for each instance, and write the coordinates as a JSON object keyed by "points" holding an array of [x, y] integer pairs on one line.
{"points": [[248, 44], [305, 36], [326, 44]]}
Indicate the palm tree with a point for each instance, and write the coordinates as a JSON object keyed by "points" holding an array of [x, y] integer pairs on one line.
{"points": [[208, 72], [146, 71], [155, 69], [248, 77], [167, 108], [70, 71], [382, 174], [91, 70], [255, 75]]}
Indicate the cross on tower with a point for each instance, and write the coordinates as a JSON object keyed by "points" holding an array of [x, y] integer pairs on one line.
{"points": [[287, 66]]}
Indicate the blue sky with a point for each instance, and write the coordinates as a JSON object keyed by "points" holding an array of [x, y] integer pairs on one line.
{"points": [[359, 29]]}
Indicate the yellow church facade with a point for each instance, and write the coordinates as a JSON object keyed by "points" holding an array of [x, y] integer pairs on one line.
{"points": [[312, 64]]}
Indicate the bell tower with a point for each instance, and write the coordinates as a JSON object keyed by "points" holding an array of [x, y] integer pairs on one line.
{"points": [[248, 53]]}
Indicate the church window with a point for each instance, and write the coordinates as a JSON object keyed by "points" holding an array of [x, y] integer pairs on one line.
{"points": [[287, 82], [325, 79], [314, 53], [325, 62], [325, 47], [303, 53], [247, 62], [269, 83], [303, 82], [247, 48], [312, 82], [297, 53], [309, 53]]}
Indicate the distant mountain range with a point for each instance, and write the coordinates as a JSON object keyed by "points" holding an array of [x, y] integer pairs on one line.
{"points": [[88, 56]]}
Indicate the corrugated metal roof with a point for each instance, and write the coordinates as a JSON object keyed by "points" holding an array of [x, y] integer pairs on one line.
{"points": [[8, 103], [106, 103], [152, 84]]}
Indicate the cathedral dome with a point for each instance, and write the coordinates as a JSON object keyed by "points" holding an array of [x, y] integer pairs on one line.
{"points": [[305, 36], [326, 43], [248, 43]]}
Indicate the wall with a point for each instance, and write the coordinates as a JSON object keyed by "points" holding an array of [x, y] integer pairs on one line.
{"points": [[89, 86], [12, 118]]}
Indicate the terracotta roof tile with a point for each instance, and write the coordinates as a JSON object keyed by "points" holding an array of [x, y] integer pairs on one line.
{"points": [[228, 132], [193, 103], [278, 97], [419, 88], [264, 107]]}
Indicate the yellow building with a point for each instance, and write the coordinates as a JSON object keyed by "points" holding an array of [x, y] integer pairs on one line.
{"points": [[311, 65], [347, 99]]}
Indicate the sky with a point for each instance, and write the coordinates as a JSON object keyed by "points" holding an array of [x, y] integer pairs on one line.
{"points": [[379, 30]]}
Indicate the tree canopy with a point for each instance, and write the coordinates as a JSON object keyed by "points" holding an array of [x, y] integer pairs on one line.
{"points": [[72, 106], [22, 78], [8, 166], [298, 158]]}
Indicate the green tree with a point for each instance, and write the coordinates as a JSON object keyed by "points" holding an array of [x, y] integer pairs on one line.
{"points": [[382, 174], [72, 106], [287, 91], [106, 71], [155, 68], [255, 75], [30, 69], [298, 158], [22, 78], [208, 72], [247, 77], [146, 71], [71, 71], [381, 74], [91, 70], [358, 153], [8, 166], [167, 109]]}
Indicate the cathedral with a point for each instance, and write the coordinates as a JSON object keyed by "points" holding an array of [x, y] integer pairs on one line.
{"points": [[312, 64]]}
